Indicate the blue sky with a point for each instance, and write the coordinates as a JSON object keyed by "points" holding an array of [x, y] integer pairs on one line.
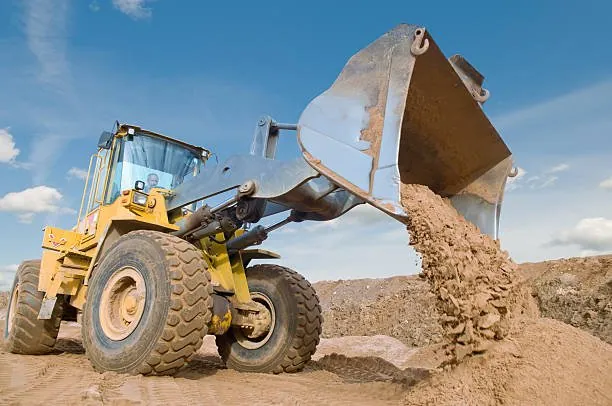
{"points": [[204, 73]]}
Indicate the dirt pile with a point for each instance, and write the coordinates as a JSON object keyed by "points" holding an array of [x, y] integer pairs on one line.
{"points": [[476, 283], [402, 307], [545, 363], [577, 291]]}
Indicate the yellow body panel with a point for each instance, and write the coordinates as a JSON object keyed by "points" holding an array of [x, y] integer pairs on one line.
{"points": [[69, 256], [226, 272]]}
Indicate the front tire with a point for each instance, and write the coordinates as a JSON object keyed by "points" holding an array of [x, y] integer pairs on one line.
{"points": [[24, 333], [148, 305], [296, 327]]}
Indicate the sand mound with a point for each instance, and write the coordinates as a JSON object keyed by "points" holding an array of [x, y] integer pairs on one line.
{"points": [[545, 362], [577, 291], [476, 283], [400, 307]]}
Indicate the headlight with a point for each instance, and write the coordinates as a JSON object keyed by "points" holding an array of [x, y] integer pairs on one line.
{"points": [[139, 199]]}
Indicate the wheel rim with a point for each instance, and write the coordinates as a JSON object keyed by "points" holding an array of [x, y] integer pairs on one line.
{"points": [[12, 308], [122, 303], [241, 334]]}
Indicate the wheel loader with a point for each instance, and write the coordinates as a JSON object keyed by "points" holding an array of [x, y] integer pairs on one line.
{"points": [[152, 266]]}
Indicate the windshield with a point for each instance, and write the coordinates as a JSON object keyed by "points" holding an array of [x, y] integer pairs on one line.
{"points": [[156, 162]]}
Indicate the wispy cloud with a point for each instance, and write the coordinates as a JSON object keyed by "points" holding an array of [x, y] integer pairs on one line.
{"points": [[77, 173], [516, 181], [535, 182], [94, 6], [44, 153], [45, 29], [558, 168], [26, 218], [565, 114], [134, 8], [543, 183]]}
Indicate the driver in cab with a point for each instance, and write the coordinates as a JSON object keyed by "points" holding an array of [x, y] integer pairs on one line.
{"points": [[152, 181]]}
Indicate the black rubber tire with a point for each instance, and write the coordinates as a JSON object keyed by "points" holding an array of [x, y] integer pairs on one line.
{"points": [[177, 310], [28, 334], [297, 327]]}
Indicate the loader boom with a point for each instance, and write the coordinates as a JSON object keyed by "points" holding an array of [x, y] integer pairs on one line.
{"points": [[399, 112]]}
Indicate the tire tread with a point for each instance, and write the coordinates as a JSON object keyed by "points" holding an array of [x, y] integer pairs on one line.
{"points": [[190, 308], [29, 335], [309, 318]]}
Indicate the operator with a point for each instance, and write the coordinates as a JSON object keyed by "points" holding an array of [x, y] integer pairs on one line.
{"points": [[152, 181]]}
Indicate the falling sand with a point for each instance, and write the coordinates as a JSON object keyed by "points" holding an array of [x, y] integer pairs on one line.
{"points": [[497, 350], [475, 281]]}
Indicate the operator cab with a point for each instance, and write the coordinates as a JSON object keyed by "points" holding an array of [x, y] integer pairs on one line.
{"points": [[146, 160], [133, 158]]}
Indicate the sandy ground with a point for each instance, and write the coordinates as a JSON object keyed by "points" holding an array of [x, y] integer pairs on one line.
{"points": [[542, 362], [66, 377]]}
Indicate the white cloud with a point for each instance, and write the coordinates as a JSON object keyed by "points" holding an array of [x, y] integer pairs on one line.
{"points": [[590, 234], [7, 274], [33, 200], [77, 173], [28, 202], [133, 8], [8, 152], [559, 168], [606, 184], [45, 29]]}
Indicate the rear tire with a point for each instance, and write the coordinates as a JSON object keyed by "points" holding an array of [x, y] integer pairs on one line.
{"points": [[24, 333], [296, 325], [155, 324]]}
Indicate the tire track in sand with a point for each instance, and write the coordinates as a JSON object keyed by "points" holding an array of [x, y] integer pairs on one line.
{"points": [[24, 378]]}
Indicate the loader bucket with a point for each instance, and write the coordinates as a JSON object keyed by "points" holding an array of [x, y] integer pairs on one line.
{"points": [[400, 112]]}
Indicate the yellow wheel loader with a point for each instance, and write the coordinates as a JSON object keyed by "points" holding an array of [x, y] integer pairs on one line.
{"points": [[151, 267]]}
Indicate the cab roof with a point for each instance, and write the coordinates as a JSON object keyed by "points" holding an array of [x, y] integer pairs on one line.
{"points": [[122, 128]]}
